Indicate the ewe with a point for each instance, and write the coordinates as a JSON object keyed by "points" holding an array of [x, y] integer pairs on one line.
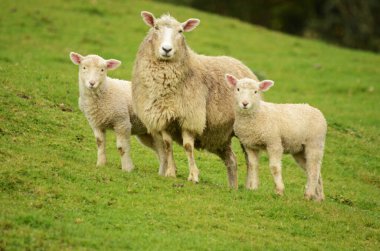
{"points": [[298, 129], [181, 95], [107, 104]]}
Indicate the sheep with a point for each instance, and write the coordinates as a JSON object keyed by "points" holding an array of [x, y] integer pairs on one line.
{"points": [[181, 95], [297, 129], [107, 104]]}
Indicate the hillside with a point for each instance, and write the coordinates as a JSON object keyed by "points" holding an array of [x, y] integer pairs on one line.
{"points": [[54, 198]]}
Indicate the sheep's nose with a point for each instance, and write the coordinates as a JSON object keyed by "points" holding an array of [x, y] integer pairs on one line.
{"points": [[166, 49], [92, 83], [245, 103]]}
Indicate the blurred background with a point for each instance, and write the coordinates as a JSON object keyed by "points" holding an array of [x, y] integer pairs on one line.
{"points": [[349, 23]]}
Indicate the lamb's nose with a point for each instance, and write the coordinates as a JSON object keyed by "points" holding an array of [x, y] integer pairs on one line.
{"points": [[92, 83], [245, 103], [167, 50]]}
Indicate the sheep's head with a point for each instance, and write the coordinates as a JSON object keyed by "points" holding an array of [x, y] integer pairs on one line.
{"points": [[93, 69], [247, 91], [166, 35]]}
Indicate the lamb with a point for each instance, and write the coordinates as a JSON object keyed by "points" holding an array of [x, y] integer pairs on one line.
{"points": [[181, 95], [107, 104], [298, 129]]}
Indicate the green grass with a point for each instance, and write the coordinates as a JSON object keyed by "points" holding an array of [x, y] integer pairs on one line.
{"points": [[54, 198]]}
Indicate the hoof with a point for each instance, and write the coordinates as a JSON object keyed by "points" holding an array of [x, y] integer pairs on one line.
{"points": [[280, 192], [170, 173], [128, 169], [251, 186]]}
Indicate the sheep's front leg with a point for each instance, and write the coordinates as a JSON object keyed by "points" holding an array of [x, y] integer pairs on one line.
{"points": [[123, 146], [275, 156], [168, 144], [100, 136], [188, 144], [252, 181]]}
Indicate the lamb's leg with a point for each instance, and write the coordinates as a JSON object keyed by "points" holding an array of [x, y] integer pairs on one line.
{"points": [[275, 156], [123, 145], [228, 156], [252, 169], [314, 187], [168, 144], [100, 136], [300, 159], [188, 144]]}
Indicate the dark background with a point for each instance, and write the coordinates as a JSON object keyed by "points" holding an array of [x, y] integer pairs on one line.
{"points": [[349, 23]]}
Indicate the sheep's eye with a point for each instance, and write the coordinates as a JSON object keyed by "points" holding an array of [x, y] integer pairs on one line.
{"points": [[255, 91], [84, 68], [180, 31], [238, 89], [156, 28], [102, 70]]}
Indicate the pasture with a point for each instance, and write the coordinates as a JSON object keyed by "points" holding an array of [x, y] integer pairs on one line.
{"points": [[53, 197]]}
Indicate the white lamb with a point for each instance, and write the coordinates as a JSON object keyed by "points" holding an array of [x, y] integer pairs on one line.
{"points": [[107, 104], [298, 129]]}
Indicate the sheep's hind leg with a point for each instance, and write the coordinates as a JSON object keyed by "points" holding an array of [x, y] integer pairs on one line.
{"points": [[170, 170], [275, 156], [100, 136], [314, 187], [229, 158], [188, 144], [123, 145], [252, 159]]}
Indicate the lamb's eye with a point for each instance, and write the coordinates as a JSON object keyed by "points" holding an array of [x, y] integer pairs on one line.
{"points": [[180, 31], [156, 28], [255, 91], [238, 89], [84, 68], [102, 70]]}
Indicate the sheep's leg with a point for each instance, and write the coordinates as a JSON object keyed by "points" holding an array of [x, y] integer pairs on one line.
{"points": [[100, 136], [188, 144], [314, 186], [252, 169], [123, 146], [300, 159], [275, 156], [228, 156], [160, 148], [170, 170]]}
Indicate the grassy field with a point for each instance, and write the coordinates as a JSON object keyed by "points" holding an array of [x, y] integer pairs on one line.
{"points": [[54, 198]]}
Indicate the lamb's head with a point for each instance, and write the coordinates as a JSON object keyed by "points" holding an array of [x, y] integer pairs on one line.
{"points": [[166, 35], [93, 69], [247, 91]]}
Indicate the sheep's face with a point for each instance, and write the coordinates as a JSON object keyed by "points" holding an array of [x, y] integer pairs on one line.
{"points": [[93, 69], [247, 91], [167, 35]]}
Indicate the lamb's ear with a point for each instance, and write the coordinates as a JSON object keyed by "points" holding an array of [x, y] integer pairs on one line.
{"points": [[231, 80], [76, 58], [112, 64], [148, 18], [265, 85], [190, 24]]}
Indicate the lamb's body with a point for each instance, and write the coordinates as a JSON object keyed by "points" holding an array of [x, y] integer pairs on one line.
{"points": [[293, 126], [107, 104], [297, 129], [186, 99]]}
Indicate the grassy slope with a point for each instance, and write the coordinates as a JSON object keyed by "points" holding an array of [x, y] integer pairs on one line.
{"points": [[53, 196]]}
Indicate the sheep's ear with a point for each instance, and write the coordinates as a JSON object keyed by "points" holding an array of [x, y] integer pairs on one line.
{"points": [[190, 24], [148, 18], [265, 85], [231, 80], [76, 58], [112, 64]]}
